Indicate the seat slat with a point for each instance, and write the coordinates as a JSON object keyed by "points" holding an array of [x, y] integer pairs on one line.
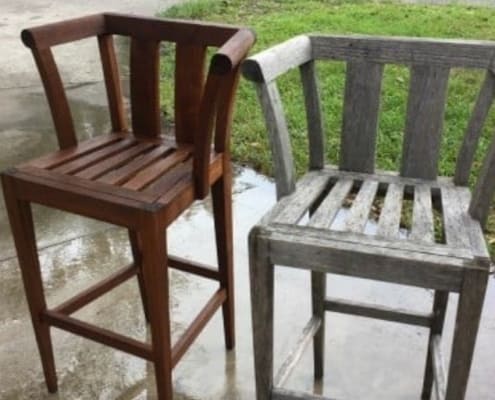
{"points": [[454, 214], [89, 159], [113, 162], [422, 221], [166, 181], [329, 207], [299, 203], [388, 224], [155, 170], [360, 210], [117, 176], [425, 114], [360, 122]]}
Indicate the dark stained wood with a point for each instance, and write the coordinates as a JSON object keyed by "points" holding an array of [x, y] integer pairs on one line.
{"points": [[145, 94], [57, 99], [140, 180], [189, 81], [112, 83]]}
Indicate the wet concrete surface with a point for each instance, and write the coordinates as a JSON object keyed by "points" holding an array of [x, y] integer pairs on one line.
{"points": [[365, 359]]}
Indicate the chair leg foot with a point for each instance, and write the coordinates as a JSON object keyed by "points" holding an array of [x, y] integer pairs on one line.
{"points": [[221, 192], [155, 276], [21, 222], [471, 299], [440, 302], [262, 285], [318, 293]]}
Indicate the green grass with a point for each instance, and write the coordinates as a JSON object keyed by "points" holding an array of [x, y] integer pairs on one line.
{"points": [[277, 20]]}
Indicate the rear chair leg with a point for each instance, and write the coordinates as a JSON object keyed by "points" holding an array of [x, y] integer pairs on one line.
{"points": [[136, 256], [21, 222], [152, 238], [222, 213], [439, 308], [318, 293]]}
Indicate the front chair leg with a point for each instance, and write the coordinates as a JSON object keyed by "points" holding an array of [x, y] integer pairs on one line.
{"points": [[471, 299], [152, 238], [21, 222]]}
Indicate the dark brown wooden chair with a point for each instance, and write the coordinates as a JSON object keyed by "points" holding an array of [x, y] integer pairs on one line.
{"points": [[136, 178], [446, 253]]}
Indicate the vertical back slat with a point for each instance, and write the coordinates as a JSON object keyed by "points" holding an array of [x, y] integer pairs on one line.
{"points": [[316, 132], [360, 122], [112, 83], [55, 93], [189, 83], [145, 97], [481, 201], [425, 114], [474, 129], [283, 162]]}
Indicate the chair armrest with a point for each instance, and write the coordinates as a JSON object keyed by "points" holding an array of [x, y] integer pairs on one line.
{"points": [[273, 62], [232, 52]]}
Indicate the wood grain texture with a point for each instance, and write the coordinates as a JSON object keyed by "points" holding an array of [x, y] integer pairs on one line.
{"points": [[331, 204], [389, 221], [438, 367], [360, 120], [403, 50], [189, 82], [278, 133], [454, 214], [424, 121], [474, 130], [422, 217], [112, 83], [145, 95], [361, 207], [314, 118]]}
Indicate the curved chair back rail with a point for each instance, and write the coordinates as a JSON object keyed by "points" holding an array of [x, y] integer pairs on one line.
{"points": [[203, 98], [430, 62]]}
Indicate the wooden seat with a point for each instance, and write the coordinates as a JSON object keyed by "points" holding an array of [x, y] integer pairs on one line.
{"points": [[410, 227], [135, 177]]}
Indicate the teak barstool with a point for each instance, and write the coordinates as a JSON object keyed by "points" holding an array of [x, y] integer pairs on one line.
{"points": [[446, 255], [136, 178]]}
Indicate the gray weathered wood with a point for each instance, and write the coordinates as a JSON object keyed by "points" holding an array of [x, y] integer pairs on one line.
{"points": [[453, 219], [360, 120], [285, 394], [438, 367], [300, 201], [295, 355], [474, 129], [400, 50], [271, 63], [283, 164], [316, 251], [485, 188], [389, 221], [469, 310], [314, 118], [439, 308], [262, 285], [330, 206], [422, 228], [378, 312], [318, 294], [360, 209], [424, 121]]}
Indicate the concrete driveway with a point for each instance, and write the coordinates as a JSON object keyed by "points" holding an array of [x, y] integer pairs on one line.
{"points": [[366, 359]]}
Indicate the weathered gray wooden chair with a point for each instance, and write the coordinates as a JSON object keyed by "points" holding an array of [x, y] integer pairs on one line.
{"points": [[457, 263]]}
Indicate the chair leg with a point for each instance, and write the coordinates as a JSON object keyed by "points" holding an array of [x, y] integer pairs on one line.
{"points": [[21, 222], [222, 213], [155, 275], [318, 293], [136, 256], [439, 308], [471, 299], [261, 279]]}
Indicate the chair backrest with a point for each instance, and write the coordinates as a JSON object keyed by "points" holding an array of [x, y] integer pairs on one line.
{"points": [[203, 99], [429, 61]]}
